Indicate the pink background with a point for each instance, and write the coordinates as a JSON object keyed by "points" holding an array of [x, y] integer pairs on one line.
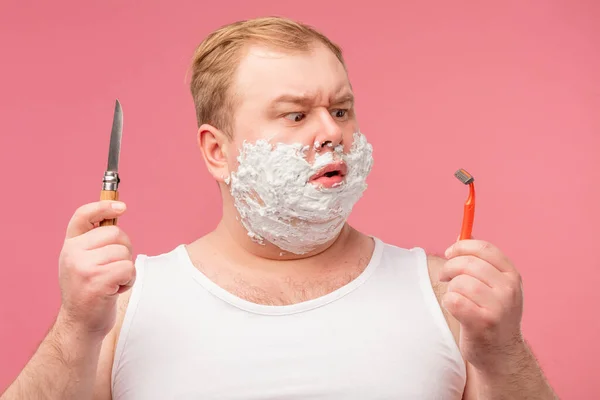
{"points": [[508, 90]]}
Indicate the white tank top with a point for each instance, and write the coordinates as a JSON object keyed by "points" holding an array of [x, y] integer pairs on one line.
{"points": [[381, 336]]}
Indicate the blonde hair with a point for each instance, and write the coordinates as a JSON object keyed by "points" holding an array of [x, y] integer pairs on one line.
{"points": [[217, 57]]}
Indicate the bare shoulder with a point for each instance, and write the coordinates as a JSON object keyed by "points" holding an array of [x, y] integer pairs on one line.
{"points": [[435, 264], [102, 388]]}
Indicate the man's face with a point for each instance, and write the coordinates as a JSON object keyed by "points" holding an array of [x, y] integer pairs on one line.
{"points": [[302, 97], [304, 162]]}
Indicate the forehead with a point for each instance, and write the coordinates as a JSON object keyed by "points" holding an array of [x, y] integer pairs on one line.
{"points": [[265, 74]]}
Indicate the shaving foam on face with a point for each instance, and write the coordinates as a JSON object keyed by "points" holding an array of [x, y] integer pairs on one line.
{"points": [[277, 203]]}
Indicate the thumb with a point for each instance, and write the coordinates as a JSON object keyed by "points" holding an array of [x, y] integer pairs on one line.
{"points": [[86, 216]]}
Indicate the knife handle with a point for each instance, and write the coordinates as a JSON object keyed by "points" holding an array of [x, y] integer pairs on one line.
{"points": [[109, 195]]}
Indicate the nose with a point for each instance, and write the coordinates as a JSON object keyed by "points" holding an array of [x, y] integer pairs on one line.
{"points": [[329, 133]]}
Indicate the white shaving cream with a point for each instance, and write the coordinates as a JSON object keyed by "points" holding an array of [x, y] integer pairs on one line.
{"points": [[277, 203]]}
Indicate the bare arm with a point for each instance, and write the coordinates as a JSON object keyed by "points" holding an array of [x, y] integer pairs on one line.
{"points": [[520, 377], [63, 367], [95, 266], [68, 367], [516, 375], [103, 384]]}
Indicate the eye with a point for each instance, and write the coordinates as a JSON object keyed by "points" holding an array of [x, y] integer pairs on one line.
{"points": [[295, 116], [340, 113]]}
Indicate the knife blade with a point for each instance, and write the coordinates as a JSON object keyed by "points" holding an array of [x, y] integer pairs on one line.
{"points": [[114, 151], [111, 180]]}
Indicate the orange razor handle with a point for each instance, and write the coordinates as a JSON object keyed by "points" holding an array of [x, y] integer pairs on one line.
{"points": [[469, 215]]}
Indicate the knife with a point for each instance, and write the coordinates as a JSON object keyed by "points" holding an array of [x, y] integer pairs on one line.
{"points": [[111, 180]]}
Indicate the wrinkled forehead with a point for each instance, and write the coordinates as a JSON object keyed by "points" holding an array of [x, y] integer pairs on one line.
{"points": [[266, 75]]}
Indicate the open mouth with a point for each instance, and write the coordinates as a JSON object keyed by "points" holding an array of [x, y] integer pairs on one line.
{"points": [[330, 175]]}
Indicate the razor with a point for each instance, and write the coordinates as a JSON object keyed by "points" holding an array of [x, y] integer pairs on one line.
{"points": [[469, 208]]}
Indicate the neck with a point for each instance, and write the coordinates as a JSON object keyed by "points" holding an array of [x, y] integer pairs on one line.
{"points": [[244, 270]]}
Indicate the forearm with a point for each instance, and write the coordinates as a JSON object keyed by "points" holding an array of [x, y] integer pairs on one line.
{"points": [[63, 367], [520, 377]]}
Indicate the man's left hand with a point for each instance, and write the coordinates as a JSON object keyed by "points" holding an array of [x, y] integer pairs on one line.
{"points": [[485, 296]]}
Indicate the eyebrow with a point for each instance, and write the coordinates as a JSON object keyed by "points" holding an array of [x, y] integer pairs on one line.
{"points": [[308, 99]]}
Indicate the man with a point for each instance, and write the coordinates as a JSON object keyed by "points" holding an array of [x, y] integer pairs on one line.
{"points": [[283, 300]]}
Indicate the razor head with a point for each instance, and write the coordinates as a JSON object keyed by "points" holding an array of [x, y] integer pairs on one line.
{"points": [[463, 176]]}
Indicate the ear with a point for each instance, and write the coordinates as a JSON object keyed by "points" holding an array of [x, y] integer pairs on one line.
{"points": [[213, 144]]}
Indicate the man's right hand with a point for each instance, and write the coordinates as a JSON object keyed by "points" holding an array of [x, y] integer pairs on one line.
{"points": [[95, 265]]}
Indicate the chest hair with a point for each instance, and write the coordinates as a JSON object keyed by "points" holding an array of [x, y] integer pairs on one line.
{"points": [[287, 290]]}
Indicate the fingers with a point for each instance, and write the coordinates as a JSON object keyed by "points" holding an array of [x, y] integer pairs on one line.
{"points": [[110, 254], [123, 276], [472, 289], [466, 312], [86, 216], [472, 266], [483, 250], [102, 236], [116, 277]]}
